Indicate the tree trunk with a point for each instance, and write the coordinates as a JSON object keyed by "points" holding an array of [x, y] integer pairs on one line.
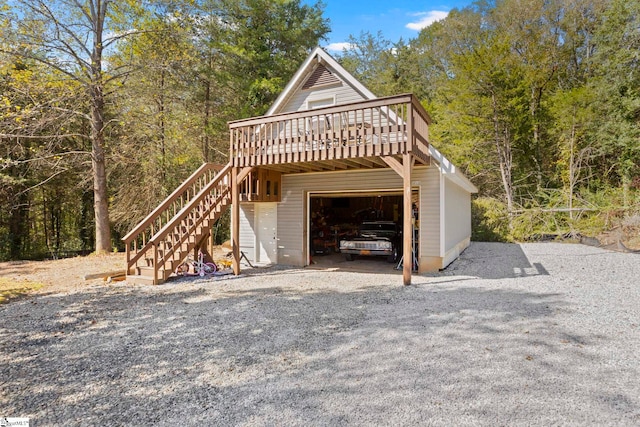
{"points": [[503, 149], [73, 33], [537, 159], [100, 202], [163, 136], [18, 227], [626, 190], [207, 114], [45, 227], [85, 230], [572, 165]]}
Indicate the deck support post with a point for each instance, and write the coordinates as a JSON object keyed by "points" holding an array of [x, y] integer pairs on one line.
{"points": [[407, 224], [235, 220], [404, 170]]}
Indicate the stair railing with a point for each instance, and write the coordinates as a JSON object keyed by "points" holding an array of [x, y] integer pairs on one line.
{"points": [[183, 225], [137, 241]]}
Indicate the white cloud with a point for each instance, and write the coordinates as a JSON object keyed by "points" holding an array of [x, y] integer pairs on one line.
{"points": [[426, 19], [339, 47]]}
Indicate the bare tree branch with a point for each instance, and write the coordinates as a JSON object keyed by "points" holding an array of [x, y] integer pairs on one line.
{"points": [[43, 137], [41, 182], [45, 62]]}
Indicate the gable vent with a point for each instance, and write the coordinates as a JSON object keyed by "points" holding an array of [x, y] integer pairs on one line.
{"points": [[320, 77]]}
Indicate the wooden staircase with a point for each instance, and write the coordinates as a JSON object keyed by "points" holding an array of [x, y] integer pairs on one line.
{"points": [[179, 225]]}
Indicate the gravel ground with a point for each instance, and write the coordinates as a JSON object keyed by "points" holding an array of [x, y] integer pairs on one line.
{"points": [[530, 334]]}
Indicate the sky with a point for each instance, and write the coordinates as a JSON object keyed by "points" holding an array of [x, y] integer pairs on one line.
{"points": [[395, 18]]}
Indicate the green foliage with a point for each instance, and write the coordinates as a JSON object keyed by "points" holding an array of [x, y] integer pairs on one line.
{"points": [[611, 206], [260, 44], [173, 74], [594, 212], [616, 85], [489, 220], [537, 101], [542, 217], [43, 153]]}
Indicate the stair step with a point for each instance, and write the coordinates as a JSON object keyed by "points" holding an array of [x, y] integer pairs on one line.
{"points": [[145, 270], [142, 280]]}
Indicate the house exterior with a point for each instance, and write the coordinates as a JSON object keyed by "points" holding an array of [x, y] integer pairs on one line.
{"points": [[326, 147], [279, 232]]}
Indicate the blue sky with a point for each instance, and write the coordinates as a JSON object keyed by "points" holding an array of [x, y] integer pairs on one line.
{"points": [[395, 18]]}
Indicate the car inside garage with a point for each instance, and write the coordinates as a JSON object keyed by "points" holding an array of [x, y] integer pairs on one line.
{"points": [[368, 226]]}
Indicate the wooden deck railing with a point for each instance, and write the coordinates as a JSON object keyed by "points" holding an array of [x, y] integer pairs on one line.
{"points": [[379, 127], [138, 240]]}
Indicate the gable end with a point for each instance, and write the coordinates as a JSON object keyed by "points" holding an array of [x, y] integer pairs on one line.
{"points": [[320, 77]]}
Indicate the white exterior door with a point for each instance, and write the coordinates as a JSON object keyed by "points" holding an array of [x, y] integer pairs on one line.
{"points": [[266, 233]]}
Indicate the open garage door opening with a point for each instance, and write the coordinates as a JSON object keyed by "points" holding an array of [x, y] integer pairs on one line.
{"points": [[359, 231]]}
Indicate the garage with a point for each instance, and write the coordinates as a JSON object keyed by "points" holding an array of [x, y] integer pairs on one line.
{"points": [[345, 157], [327, 157], [360, 220]]}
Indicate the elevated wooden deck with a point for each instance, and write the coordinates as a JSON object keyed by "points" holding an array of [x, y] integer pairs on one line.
{"points": [[356, 135], [387, 132]]}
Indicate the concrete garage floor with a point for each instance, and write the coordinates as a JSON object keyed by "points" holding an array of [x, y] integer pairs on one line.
{"points": [[362, 264]]}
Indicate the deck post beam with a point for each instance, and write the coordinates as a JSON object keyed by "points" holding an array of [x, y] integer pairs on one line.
{"points": [[394, 164], [242, 174], [407, 224], [235, 220], [404, 170]]}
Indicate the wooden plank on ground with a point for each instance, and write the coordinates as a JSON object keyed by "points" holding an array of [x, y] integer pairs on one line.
{"points": [[105, 274]]}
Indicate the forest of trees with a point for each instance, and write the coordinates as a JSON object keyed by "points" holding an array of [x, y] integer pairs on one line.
{"points": [[106, 106]]}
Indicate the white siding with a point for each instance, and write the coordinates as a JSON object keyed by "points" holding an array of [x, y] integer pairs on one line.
{"points": [[292, 211], [343, 94], [247, 230], [457, 207], [458, 214], [429, 211]]}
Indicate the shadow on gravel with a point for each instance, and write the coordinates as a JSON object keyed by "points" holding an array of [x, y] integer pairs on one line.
{"points": [[488, 260], [277, 356]]}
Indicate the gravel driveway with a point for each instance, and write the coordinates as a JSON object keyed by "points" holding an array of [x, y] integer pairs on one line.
{"points": [[530, 334]]}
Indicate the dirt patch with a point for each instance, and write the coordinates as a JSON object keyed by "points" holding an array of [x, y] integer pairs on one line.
{"points": [[12, 289], [66, 275], [624, 238], [61, 275]]}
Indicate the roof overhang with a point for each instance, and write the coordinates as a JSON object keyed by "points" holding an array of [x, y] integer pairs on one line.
{"points": [[451, 172]]}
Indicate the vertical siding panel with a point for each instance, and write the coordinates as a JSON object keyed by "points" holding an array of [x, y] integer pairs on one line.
{"points": [[429, 211], [458, 212]]}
